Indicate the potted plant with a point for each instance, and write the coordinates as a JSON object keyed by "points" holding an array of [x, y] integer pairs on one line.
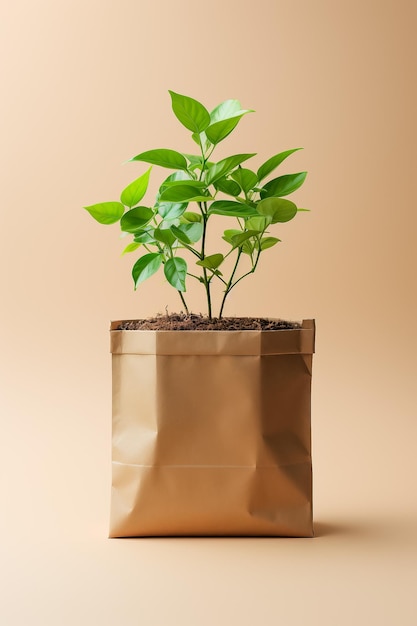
{"points": [[211, 425]]}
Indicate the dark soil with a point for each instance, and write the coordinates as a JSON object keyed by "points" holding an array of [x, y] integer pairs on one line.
{"points": [[181, 321]]}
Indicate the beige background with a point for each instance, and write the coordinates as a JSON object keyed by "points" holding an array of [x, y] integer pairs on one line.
{"points": [[84, 87]]}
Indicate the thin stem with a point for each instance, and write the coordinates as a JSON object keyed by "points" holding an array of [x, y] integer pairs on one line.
{"points": [[207, 285], [206, 280], [194, 276], [229, 284], [247, 273], [205, 271], [187, 247], [210, 153], [184, 303], [203, 209], [217, 276], [203, 161], [232, 285]]}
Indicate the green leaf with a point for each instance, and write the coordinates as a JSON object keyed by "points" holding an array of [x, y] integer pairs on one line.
{"points": [[188, 233], [163, 157], [212, 261], [189, 216], [228, 186], [245, 178], [225, 110], [175, 270], [135, 219], [230, 233], [223, 119], [131, 247], [258, 223], [191, 113], [234, 209], [106, 212], [268, 242], [182, 237], [223, 167], [194, 159], [237, 240], [247, 247], [272, 163], [279, 209], [164, 235], [201, 199], [240, 239], [144, 235], [136, 190], [183, 193], [171, 210], [145, 267], [180, 175], [196, 184], [218, 131], [283, 185]]}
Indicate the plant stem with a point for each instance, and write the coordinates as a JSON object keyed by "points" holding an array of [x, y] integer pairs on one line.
{"points": [[232, 285], [207, 285], [193, 276], [187, 247], [229, 285], [184, 303], [247, 273], [203, 208], [206, 279]]}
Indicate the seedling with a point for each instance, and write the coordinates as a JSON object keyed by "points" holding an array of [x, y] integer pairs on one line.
{"points": [[171, 231]]}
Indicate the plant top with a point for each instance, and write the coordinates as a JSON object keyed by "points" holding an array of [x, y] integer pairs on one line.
{"points": [[167, 229]]}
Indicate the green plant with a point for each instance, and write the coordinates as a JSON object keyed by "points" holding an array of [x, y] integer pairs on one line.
{"points": [[167, 229]]}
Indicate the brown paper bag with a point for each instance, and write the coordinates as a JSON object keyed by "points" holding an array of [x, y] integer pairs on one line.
{"points": [[211, 432]]}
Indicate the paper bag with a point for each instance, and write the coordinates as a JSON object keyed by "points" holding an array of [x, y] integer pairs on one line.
{"points": [[211, 432]]}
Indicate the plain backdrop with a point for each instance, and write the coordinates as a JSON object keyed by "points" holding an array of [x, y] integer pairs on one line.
{"points": [[84, 87]]}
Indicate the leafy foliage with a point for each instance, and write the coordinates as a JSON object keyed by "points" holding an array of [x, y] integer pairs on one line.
{"points": [[169, 229]]}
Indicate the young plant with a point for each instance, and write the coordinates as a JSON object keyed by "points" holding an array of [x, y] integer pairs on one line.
{"points": [[166, 228]]}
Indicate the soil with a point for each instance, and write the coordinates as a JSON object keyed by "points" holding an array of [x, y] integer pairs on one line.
{"points": [[181, 321]]}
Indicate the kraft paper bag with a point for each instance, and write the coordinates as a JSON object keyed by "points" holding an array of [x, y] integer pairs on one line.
{"points": [[211, 433]]}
